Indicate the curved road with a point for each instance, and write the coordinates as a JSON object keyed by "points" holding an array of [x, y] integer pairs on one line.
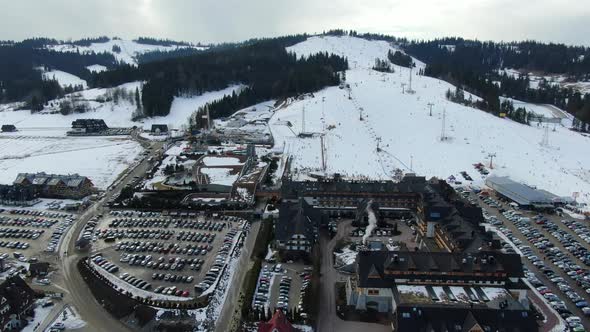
{"points": [[78, 294]]}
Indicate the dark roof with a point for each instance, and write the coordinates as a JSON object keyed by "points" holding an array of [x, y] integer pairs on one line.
{"points": [[380, 268], [84, 123], [409, 184], [160, 127], [518, 192], [16, 297], [296, 217], [8, 128], [459, 319], [43, 179], [39, 267], [456, 217]]}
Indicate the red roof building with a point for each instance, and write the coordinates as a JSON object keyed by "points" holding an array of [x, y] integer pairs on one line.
{"points": [[278, 323]]}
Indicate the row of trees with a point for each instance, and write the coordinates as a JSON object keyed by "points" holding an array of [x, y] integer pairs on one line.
{"points": [[383, 66], [400, 59]]}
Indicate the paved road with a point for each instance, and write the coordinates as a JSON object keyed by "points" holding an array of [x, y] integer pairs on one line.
{"points": [[328, 321], [230, 307], [78, 294], [516, 232]]}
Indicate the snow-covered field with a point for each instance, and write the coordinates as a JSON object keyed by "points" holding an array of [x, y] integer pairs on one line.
{"points": [[409, 138], [96, 68], [101, 159], [64, 79], [50, 122], [129, 49]]}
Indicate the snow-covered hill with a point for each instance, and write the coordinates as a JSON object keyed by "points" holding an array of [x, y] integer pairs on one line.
{"points": [[64, 79], [409, 138], [361, 53], [129, 49]]}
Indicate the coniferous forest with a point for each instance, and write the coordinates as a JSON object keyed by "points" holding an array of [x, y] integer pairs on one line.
{"points": [[474, 66], [264, 66]]}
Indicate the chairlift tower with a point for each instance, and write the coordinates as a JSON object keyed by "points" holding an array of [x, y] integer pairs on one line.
{"points": [[491, 156], [410, 91], [545, 140], [430, 106], [323, 146], [443, 135], [303, 120]]}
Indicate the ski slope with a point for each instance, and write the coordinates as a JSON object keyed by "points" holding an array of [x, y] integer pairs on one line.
{"points": [[409, 138], [129, 49], [361, 53]]}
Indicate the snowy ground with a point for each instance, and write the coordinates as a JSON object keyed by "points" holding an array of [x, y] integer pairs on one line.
{"points": [[64, 79], [45, 204], [70, 319], [346, 257], [101, 159], [221, 161], [50, 122], [129, 49], [40, 315], [220, 176], [409, 138], [96, 68]]}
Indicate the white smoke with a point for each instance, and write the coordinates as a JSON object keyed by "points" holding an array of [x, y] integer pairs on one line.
{"points": [[372, 222]]}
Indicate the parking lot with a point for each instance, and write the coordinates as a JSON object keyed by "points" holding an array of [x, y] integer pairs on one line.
{"points": [[32, 232], [281, 286], [556, 255], [177, 255]]}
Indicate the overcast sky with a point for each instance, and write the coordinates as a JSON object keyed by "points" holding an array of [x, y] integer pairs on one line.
{"points": [[563, 21]]}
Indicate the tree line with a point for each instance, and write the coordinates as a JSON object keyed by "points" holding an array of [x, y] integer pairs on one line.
{"points": [[475, 67], [264, 66]]}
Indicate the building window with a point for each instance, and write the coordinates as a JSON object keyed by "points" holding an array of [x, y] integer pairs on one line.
{"points": [[373, 292], [405, 314]]}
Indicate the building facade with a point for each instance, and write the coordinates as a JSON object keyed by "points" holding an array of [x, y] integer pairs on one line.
{"points": [[417, 289], [17, 301], [71, 186]]}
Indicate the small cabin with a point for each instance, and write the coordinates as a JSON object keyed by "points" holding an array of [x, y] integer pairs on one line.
{"points": [[159, 129], [8, 128]]}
